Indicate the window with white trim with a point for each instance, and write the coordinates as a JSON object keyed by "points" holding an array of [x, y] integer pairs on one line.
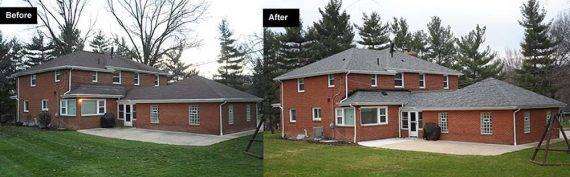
{"points": [[445, 82], [117, 77], [373, 115], [57, 75], [292, 115], [374, 80], [527, 122], [330, 80], [156, 80], [136, 78], [301, 85], [486, 123], [405, 118], [33, 80], [399, 80], [443, 122], [422, 82], [344, 116], [154, 118], [44, 105], [194, 115], [548, 115], [248, 112], [67, 107], [121, 111], [95, 77], [91, 107], [316, 114], [231, 114], [26, 106]]}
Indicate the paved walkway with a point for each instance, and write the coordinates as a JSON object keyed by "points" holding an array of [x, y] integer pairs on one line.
{"points": [[163, 137], [445, 147]]}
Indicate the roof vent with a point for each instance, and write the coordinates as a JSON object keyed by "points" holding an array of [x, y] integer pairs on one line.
{"points": [[378, 61], [384, 93]]}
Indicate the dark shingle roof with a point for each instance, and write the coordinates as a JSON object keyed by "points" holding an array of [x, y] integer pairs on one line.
{"points": [[90, 61], [194, 88], [98, 90], [489, 93], [367, 61]]}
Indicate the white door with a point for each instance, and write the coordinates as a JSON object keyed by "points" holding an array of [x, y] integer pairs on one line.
{"points": [[413, 124], [128, 115]]}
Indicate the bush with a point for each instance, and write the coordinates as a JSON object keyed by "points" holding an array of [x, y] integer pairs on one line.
{"points": [[44, 120], [432, 131], [108, 120], [6, 118]]}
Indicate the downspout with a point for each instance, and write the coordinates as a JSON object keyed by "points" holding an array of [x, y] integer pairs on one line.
{"points": [[18, 99], [282, 117], [400, 121], [515, 127], [345, 97], [221, 117], [355, 122]]}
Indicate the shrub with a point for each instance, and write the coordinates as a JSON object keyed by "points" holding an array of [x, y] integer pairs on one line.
{"points": [[6, 118], [44, 120], [432, 131], [108, 120]]}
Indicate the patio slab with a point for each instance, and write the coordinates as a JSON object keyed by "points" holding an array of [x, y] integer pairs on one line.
{"points": [[163, 137]]}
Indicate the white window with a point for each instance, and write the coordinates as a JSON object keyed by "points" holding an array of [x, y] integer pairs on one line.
{"points": [[57, 75], [486, 124], [121, 111], [445, 82], [292, 115], [44, 105], [95, 77], [344, 116], [405, 118], [67, 107], [156, 80], [527, 122], [248, 112], [117, 77], [230, 114], [137, 78], [26, 106], [443, 122], [91, 107], [330, 80], [548, 115], [33, 80], [399, 80], [194, 115], [422, 83], [154, 114], [374, 80], [373, 115], [300, 85], [316, 114]]}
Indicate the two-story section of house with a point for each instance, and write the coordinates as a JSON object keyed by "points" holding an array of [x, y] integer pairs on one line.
{"points": [[362, 94], [78, 88]]}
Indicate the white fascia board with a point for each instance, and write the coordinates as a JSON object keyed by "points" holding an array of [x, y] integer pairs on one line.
{"points": [[91, 96], [213, 100], [371, 103], [60, 68]]}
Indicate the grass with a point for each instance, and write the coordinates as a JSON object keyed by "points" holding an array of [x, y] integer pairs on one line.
{"points": [[294, 158], [31, 152]]}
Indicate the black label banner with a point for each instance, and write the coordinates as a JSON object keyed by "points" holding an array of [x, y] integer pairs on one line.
{"points": [[281, 18], [18, 15]]}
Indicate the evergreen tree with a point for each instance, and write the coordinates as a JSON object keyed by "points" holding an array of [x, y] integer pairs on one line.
{"points": [[402, 36], [11, 61], [231, 58], [537, 49], [476, 63], [100, 44], [292, 48], [121, 48], [38, 51], [374, 32], [332, 33], [173, 65], [441, 44], [68, 41]]}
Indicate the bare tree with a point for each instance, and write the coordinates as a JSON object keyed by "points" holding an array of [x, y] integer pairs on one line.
{"points": [[512, 60], [560, 31], [156, 27]]}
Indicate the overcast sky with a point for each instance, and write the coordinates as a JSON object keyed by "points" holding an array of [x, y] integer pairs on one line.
{"points": [[500, 17]]}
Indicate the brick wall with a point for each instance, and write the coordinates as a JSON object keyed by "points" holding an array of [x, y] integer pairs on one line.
{"points": [[537, 125], [84, 77], [46, 88]]}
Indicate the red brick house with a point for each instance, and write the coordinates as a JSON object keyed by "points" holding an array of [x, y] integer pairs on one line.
{"points": [[361, 94], [78, 88]]}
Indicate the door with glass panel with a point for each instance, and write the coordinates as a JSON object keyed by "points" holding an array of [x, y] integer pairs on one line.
{"points": [[413, 125], [127, 113]]}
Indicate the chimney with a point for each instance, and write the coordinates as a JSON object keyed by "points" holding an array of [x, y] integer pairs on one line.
{"points": [[392, 49], [112, 52], [378, 61]]}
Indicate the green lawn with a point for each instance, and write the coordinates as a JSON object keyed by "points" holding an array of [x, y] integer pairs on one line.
{"points": [[292, 158], [32, 152]]}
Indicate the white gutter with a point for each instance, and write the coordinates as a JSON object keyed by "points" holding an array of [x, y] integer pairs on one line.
{"points": [[221, 118], [515, 127], [209, 100], [91, 95], [18, 99], [110, 70], [399, 120], [345, 88]]}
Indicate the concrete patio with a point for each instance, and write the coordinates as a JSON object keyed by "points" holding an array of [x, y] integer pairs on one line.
{"points": [[163, 137]]}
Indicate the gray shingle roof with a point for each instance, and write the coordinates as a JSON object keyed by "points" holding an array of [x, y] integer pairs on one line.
{"points": [[100, 91], [367, 61], [91, 61], [489, 93], [195, 88]]}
